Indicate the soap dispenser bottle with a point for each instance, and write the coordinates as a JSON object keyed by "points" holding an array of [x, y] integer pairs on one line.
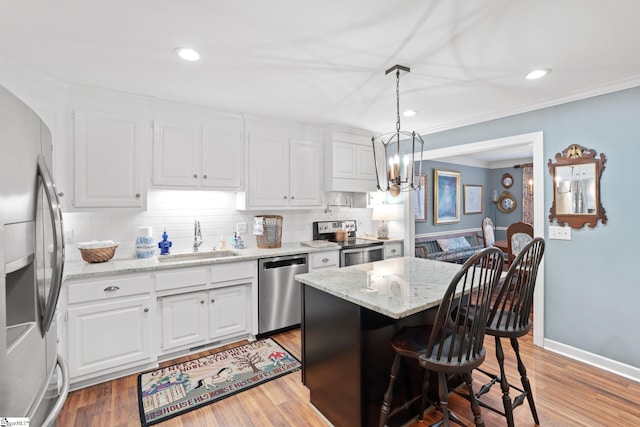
{"points": [[223, 243]]}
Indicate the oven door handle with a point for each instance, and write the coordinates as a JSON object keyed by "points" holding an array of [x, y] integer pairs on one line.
{"points": [[365, 249]]}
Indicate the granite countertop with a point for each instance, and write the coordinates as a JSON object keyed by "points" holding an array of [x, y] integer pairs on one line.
{"points": [[81, 269], [396, 287]]}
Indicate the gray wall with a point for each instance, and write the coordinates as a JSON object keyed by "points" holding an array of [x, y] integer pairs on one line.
{"points": [[592, 287]]}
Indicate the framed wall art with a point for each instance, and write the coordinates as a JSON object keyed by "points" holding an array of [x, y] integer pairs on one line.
{"points": [[446, 197], [472, 199], [420, 199]]}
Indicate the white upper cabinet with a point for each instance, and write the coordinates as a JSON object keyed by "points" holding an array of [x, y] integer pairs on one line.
{"points": [[349, 166], [176, 149], [109, 160], [202, 152], [222, 153], [196, 148], [284, 166]]}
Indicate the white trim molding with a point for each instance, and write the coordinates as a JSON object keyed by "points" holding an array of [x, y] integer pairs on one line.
{"points": [[606, 364]]}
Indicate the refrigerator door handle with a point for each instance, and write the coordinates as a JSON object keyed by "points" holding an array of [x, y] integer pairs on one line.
{"points": [[55, 411], [58, 244]]}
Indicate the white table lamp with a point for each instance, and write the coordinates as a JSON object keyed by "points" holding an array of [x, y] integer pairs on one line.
{"points": [[383, 213]]}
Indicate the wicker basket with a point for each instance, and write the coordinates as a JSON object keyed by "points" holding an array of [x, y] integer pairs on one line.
{"points": [[98, 255], [272, 234]]}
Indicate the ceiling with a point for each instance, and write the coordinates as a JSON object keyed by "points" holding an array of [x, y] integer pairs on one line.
{"points": [[325, 61]]}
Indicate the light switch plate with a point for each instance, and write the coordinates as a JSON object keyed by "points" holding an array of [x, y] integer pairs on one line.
{"points": [[241, 228], [559, 233]]}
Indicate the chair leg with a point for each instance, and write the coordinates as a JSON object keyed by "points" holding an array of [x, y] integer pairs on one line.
{"points": [[504, 384], [475, 407], [525, 380], [443, 395], [423, 401], [388, 395]]}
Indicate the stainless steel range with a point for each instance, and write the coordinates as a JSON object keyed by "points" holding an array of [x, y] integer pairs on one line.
{"points": [[353, 250]]}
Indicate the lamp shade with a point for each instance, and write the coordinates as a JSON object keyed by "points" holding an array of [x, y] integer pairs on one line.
{"points": [[385, 212]]}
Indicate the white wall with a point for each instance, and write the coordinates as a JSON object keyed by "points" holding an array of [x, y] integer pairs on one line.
{"points": [[176, 211]]}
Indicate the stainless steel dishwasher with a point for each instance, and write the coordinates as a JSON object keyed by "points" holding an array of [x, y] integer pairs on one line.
{"points": [[279, 294]]}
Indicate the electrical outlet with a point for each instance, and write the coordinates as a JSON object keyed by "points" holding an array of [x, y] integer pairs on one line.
{"points": [[241, 228], [559, 233]]}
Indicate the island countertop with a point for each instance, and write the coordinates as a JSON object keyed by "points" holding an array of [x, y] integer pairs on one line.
{"points": [[397, 287]]}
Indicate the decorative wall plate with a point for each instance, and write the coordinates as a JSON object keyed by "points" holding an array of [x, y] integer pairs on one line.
{"points": [[506, 202], [507, 180]]}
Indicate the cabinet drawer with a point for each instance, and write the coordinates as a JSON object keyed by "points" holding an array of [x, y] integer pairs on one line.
{"points": [[182, 277], [234, 271], [112, 287], [392, 250], [324, 259]]}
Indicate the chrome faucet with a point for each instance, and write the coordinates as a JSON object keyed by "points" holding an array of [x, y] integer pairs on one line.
{"points": [[197, 236]]}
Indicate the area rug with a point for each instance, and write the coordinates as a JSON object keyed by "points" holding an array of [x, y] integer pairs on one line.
{"points": [[168, 392]]}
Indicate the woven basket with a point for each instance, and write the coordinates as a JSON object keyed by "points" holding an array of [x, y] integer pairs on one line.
{"points": [[98, 255], [272, 236]]}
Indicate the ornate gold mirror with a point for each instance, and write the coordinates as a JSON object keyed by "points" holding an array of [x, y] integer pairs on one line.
{"points": [[576, 191], [506, 203]]}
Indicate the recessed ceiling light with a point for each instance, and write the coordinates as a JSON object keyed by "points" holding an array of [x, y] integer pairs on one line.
{"points": [[187, 54], [537, 74], [410, 113]]}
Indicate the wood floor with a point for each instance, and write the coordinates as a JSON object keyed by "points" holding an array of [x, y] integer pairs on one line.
{"points": [[567, 393]]}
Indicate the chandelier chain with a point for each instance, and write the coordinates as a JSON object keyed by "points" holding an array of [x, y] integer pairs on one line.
{"points": [[398, 100]]}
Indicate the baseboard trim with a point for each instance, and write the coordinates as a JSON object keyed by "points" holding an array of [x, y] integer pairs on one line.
{"points": [[606, 364]]}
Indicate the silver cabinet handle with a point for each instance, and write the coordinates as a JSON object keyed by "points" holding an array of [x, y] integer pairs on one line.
{"points": [[146, 310], [285, 197], [204, 176], [213, 300], [137, 195], [393, 251], [195, 175], [293, 197], [61, 194], [325, 259], [202, 301], [111, 288]]}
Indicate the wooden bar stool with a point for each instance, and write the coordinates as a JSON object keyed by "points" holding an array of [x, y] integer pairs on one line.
{"points": [[454, 343], [510, 318]]}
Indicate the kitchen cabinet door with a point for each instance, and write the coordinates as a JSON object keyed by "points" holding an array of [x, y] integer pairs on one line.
{"points": [[268, 171], [184, 320], [222, 154], [176, 154], [109, 335], [350, 165], [109, 160], [229, 308], [305, 180]]}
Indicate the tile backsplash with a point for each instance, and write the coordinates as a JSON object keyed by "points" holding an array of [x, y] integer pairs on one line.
{"points": [[176, 211]]}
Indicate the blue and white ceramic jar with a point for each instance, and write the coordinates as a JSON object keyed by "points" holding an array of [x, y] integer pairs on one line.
{"points": [[145, 245]]}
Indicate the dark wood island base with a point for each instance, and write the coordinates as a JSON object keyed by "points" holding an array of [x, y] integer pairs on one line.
{"points": [[347, 357]]}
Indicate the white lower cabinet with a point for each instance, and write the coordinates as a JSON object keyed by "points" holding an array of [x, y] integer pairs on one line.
{"points": [[392, 250], [216, 303], [109, 325], [119, 323], [184, 320], [228, 311], [323, 260]]}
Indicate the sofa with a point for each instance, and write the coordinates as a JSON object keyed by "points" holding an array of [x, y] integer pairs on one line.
{"points": [[454, 247]]}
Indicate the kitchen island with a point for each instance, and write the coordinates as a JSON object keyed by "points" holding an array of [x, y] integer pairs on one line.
{"points": [[348, 318]]}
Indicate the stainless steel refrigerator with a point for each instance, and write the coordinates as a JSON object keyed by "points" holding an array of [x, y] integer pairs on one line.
{"points": [[33, 378]]}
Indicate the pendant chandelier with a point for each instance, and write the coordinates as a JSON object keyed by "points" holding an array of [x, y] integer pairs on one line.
{"points": [[392, 175]]}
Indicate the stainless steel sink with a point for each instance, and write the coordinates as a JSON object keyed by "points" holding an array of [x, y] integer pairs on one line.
{"points": [[196, 256]]}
